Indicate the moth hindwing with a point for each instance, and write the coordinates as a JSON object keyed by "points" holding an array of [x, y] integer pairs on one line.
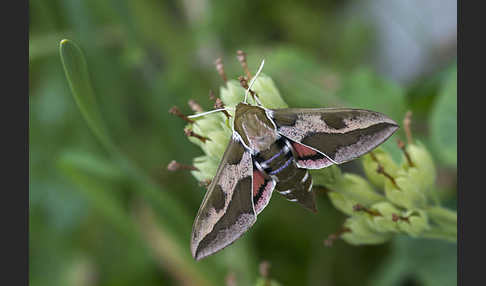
{"points": [[272, 149]]}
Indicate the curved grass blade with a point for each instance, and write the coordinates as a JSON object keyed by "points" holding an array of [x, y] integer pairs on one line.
{"points": [[76, 70]]}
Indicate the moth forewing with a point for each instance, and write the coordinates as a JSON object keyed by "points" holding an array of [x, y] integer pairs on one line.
{"points": [[341, 134], [227, 209]]}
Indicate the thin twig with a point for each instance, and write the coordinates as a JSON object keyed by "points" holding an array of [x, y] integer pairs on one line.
{"points": [[191, 133], [401, 145]]}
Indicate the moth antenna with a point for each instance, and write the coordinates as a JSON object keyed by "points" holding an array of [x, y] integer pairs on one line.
{"points": [[175, 166], [175, 111], [244, 84], [257, 74], [207, 112], [241, 56], [220, 105], [220, 69], [253, 79]]}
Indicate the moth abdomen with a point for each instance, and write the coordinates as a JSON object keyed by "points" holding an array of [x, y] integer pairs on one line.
{"points": [[278, 162], [275, 157], [296, 186]]}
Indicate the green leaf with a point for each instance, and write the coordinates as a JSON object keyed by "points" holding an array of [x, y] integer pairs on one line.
{"points": [[361, 232], [76, 71], [443, 121]]}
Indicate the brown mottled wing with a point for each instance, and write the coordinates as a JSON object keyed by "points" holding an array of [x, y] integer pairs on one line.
{"points": [[227, 209], [339, 134]]}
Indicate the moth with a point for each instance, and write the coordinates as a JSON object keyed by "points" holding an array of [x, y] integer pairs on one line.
{"points": [[272, 150]]}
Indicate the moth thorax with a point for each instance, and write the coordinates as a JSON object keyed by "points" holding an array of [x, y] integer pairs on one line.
{"points": [[254, 127]]}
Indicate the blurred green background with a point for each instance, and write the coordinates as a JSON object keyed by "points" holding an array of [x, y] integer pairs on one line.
{"points": [[98, 218]]}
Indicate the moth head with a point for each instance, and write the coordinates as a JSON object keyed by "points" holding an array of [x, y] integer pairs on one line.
{"points": [[255, 128]]}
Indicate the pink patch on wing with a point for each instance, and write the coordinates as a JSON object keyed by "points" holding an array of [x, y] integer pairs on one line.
{"points": [[266, 195], [303, 151], [258, 181]]}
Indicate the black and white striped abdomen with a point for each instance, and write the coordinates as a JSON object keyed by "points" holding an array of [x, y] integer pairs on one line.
{"points": [[294, 183]]}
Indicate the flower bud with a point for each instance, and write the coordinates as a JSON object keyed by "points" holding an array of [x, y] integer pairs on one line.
{"points": [[406, 192], [361, 233], [370, 167], [423, 171], [383, 222], [342, 202], [413, 222], [356, 189], [413, 180]]}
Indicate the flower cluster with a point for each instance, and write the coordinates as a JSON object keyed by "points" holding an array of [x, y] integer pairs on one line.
{"points": [[393, 199]]}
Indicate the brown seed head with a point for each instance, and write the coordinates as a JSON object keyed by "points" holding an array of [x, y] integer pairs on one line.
{"points": [[241, 56], [194, 106], [220, 69]]}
